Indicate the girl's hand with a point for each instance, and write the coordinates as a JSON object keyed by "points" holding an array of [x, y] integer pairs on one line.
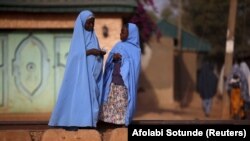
{"points": [[95, 52], [103, 52], [117, 57]]}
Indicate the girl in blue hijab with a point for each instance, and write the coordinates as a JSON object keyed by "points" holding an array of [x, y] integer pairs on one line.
{"points": [[121, 74], [79, 96]]}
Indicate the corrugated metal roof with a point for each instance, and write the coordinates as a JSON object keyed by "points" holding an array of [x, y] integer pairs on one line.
{"points": [[189, 41], [68, 5]]}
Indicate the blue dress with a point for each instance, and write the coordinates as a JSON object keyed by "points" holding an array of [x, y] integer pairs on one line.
{"points": [[79, 96], [129, 70]]}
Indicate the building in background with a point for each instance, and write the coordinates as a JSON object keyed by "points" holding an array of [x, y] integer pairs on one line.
{"points": [[187, 60], [166, 79]]}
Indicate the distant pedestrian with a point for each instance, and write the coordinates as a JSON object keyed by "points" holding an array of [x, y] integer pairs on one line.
{"points": [[245, 69], [243, 91], [207, 85], [236, 100]]}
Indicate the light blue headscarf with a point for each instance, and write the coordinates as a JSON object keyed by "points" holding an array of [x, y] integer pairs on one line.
{"points": [[130, 69], [79, 95]]}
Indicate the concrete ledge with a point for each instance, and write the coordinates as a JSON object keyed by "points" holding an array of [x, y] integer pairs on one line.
{"points": [[119, 134], [15, 135], [63, 135]]}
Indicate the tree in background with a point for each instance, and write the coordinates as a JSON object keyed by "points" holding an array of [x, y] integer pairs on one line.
{"points": [[209, 20], [144, 22]]}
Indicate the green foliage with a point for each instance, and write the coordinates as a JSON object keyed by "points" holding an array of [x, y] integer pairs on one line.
{"points": [[209, 20]]}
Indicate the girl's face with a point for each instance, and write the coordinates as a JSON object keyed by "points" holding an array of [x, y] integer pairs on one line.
{"points": [[124, 33], [89, 25]]}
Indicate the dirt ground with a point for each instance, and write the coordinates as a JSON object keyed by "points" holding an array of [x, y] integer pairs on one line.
{"points": [[173, 110]]}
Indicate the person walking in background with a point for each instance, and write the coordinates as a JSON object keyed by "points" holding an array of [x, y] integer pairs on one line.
{"points": [[236, 100], [245, 69], [79, 96], [121, 74], [238, 74], [207, 86]]}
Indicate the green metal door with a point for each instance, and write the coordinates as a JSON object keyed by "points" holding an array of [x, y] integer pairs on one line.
{"points": [[31, 70]]}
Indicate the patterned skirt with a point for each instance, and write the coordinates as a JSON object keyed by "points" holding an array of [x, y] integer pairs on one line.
{"points": [[114, 110]]}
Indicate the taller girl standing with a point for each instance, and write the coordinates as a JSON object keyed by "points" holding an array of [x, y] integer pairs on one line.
{"points": [[121, 75], [79, 95]]}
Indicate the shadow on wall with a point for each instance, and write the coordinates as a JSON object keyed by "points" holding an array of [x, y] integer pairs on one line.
{"points": [[146, 97], [156, 78], [184, 80]]}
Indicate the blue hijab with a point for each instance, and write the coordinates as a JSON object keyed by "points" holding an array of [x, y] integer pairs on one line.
{"points": [[79, 95], [130, 69]]}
